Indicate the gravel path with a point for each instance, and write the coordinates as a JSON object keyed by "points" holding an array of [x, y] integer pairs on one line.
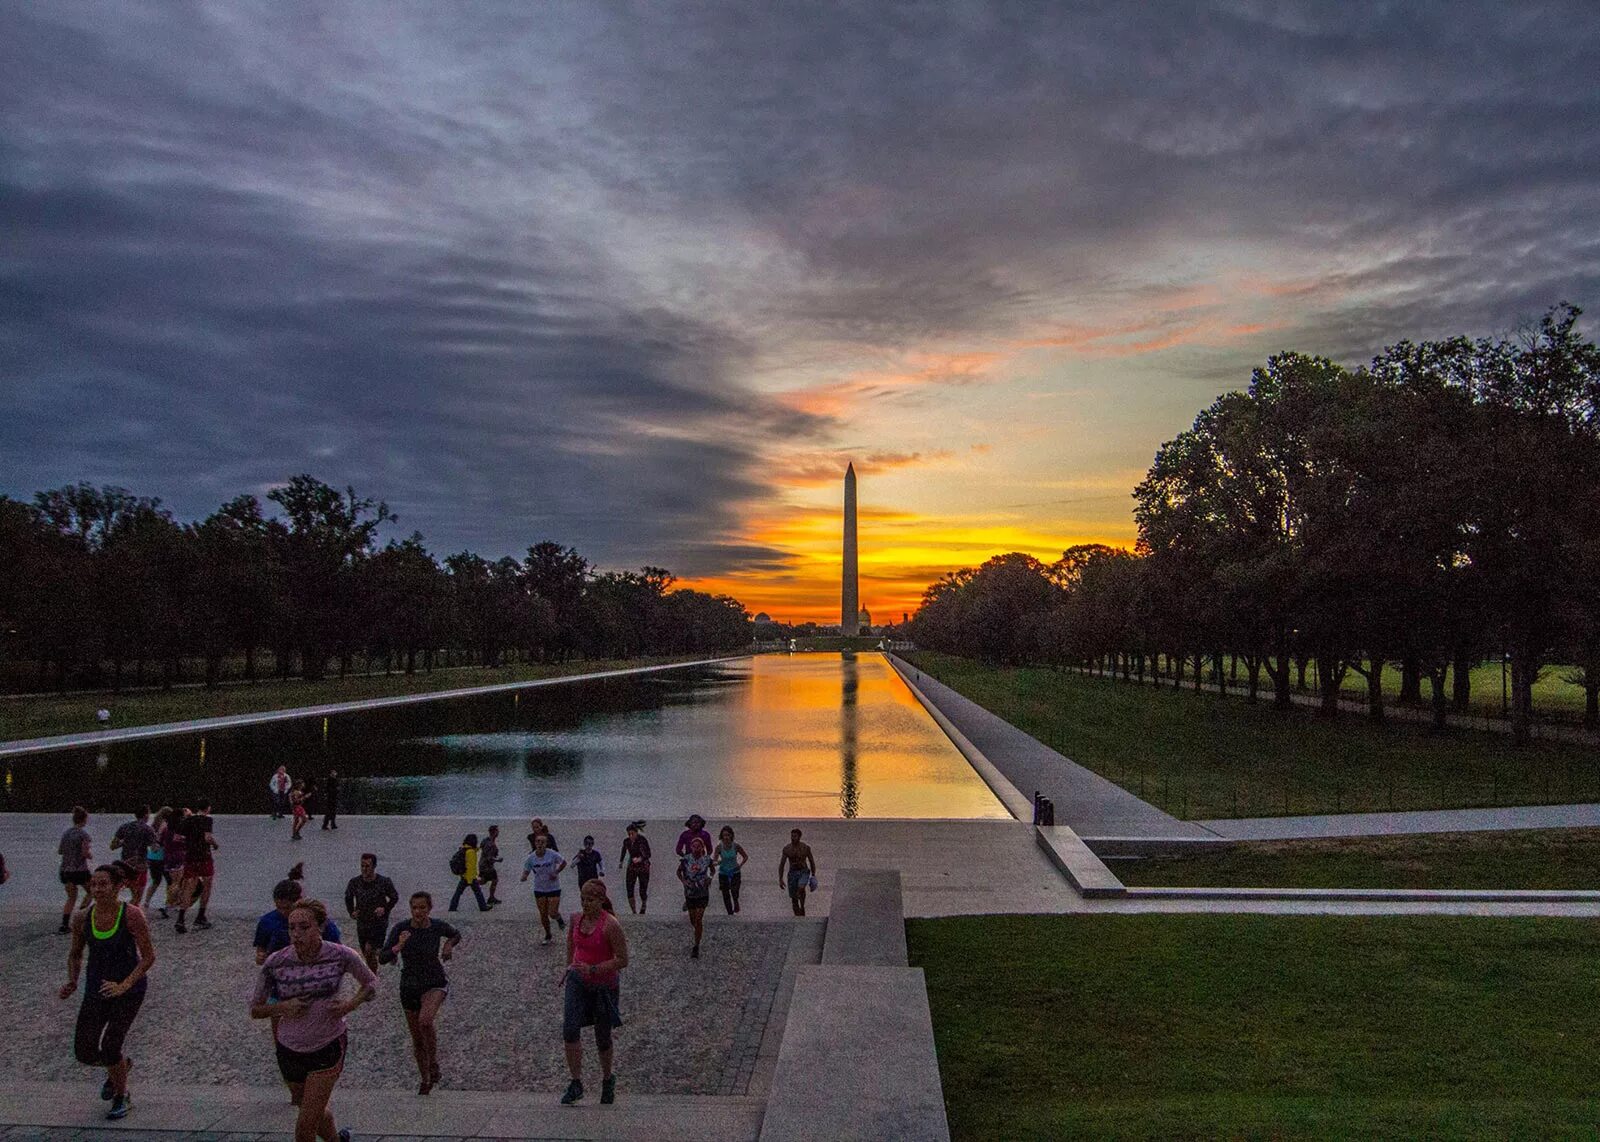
{"points": [[690, 1026]]}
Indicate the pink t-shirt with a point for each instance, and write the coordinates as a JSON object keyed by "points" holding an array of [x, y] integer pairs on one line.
{"points": [[286, 976], [595, 948]]}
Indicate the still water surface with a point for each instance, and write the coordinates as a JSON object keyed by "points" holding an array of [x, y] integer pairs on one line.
{"points": [[808, 735]]}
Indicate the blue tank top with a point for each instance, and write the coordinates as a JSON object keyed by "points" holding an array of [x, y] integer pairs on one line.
{"points": [[112, 954], [727, 861]]}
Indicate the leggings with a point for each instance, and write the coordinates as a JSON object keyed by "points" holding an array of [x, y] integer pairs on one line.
{"points": [[729, 883], [642, 879], [102, 1026]]}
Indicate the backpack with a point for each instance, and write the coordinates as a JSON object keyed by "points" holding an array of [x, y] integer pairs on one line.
{"points": [[458, 863]]}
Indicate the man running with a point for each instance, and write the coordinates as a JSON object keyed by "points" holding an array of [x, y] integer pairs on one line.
{"points": [[589, 863], [272, 930], [802, 870], [370, 898], [636, 866], [120, 956], [199, 870], [134, 838], [489, 863], [75, 856]]}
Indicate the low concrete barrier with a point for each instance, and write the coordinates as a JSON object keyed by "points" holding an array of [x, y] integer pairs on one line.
{"points": [[857, 1060], [866, 920], [1087, 872]]}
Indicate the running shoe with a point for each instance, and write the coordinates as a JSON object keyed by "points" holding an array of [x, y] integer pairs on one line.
{"points": [[65, 929], [202, 924], [344, 1134], [424, 1088], [694, 952], [574, 1093], [120, 1107], [107, 1091], [608, 1090], [164, 914], [560, 923], [438, 1075], [546, 940], [181, 927]]}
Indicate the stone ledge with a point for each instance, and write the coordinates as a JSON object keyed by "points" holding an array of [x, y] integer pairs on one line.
{"points": [[1087, 872], [857, 1060], [1390, 895], [866, 920]]}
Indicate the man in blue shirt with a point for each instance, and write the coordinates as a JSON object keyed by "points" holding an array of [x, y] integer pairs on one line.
{"points": [[272, 930]]}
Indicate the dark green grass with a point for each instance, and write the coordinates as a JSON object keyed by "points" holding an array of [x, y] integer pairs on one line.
{"points": [[1201, 755], [1523, 858], [40, 716], [1263, 1026]]}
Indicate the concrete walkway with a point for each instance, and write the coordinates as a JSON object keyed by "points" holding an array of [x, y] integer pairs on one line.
{"points": [[1091, 805], [1415, 821], [205, 725]]}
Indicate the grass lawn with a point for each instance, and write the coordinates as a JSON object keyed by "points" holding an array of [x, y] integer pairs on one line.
{"points": [[1227, 1026], [1200, 755], [40, 716], [1521, 858]]}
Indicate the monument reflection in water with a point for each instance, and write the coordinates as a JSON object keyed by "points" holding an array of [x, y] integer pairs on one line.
{"points": [[793, 736]]}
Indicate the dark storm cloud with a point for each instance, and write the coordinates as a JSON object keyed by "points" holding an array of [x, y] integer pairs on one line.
{"points": [[517, 268]]}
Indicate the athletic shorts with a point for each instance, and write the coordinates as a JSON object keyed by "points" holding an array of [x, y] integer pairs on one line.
{"points": [[199, 870], [556, 895], [411, 996], [372, 933], [798, 879], [297, 1066], [75, 877]]}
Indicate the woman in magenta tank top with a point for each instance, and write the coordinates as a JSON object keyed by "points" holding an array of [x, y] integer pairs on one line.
{"points": [[597, 951]]}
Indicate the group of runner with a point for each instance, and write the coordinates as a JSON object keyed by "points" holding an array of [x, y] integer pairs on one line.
{"points": [[303, 963]]}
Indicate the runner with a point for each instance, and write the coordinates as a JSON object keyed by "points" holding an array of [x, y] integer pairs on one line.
{"points": [[695, 872], [198, 868], [177, 846], [537, 826], [298, 989], [370, 898], [134, 838], [75, 856], [489, 863], [730, 857], [545, 865], [422, 944], [636, 863], [597, 951], [155, 855], [465, 865], [694, 827], [272, 930], [120, 956], [297, 807], [589, 863], [802, 871], [330, 800]]}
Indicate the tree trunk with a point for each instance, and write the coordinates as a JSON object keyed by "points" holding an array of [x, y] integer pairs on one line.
{"points": [[1300, 663], [1222, 678], [1330, 675], [1199, 670], [1410, 680], [1252, 666], [1461, 682], [250, 663], [1441, 703], [1375, 688], [1521, 712]]}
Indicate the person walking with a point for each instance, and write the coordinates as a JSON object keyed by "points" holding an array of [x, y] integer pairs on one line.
{"points": [[370, 900], [297, 807], [279, 785], [155, 856], [489, 863], [121, 955], [423, 945], [730, 857], [272, 930], [695, 872], [330, 800], [591, 865], [465, 865], [694, 827], [544, 864], [75, 850], [635, 862], [133, 840], [802, 867], [597, 951], [199, 868], [298, 989]]}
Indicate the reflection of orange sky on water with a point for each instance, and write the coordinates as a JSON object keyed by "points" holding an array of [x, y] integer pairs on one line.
{"points": [[900, 555], [846, 729]]}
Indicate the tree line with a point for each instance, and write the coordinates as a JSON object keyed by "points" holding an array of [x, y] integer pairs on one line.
{"points": [[1422, 513], [100, 582]]}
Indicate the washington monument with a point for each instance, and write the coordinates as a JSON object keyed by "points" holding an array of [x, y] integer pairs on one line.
{"points": [[850, 601]]}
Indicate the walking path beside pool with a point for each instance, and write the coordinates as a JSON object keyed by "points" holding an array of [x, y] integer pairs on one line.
{"points": [[1412, 821]]}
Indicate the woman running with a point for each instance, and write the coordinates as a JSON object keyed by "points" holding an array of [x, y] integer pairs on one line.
{"points": [[298, 989], [596, 952], [297, 802], [155, 855], [120, 956], [75, 857], [176, 845], [545, 865], [422, 945], [730, 856], [695, 872], [636, 865]]}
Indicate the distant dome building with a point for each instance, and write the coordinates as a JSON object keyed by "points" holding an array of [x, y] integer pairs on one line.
{"points": [[763, 617]]}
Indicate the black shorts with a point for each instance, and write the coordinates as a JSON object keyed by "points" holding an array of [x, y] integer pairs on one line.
{"points": [[75, 877], [556, 895], [411, 994], [297, 1066], [370, 933]]}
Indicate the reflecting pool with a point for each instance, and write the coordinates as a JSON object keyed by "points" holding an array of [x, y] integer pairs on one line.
{"points": [[805, 735]]}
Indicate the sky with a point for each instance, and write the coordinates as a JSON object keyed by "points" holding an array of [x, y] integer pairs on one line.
{"points": [[642, 279]]}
